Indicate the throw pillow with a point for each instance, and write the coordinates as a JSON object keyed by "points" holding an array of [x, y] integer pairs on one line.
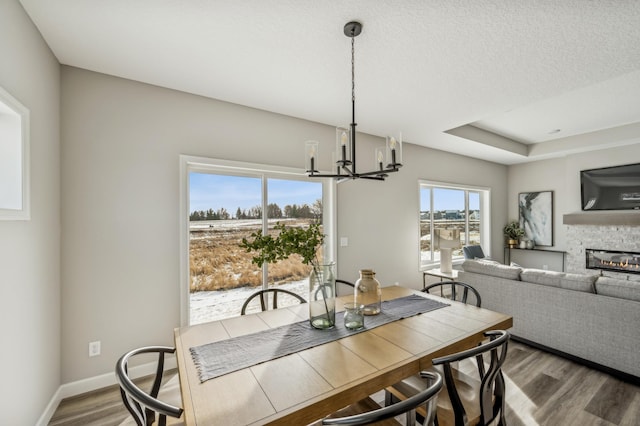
{"points": [[579, 282], [538, 276], [491, 268], [621, 289]]}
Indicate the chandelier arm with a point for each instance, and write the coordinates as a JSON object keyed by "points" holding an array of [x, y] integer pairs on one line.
{"points": [[375, 175]]}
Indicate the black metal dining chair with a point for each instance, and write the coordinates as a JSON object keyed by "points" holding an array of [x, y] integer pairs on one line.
{"points": [[454, 290], [468, 399], [144, 406], [347, 286], [263, 295], [366, 412]]}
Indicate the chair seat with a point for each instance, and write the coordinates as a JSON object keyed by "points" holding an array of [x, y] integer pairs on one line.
{"points": [[468, 388], [363, 406]]}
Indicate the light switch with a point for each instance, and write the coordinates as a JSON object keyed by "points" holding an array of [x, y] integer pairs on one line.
{"points": [[344, 241]]}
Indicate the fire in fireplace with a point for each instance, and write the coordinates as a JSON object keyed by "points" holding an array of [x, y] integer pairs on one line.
{"points": [[611, 260]]}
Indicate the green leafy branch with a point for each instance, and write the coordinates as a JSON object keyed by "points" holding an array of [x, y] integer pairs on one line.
{"points": [[290, 240]]}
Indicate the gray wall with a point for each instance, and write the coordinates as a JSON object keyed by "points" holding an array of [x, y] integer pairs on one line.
{"points": [[121, 142], [29, 250], [562, 175], [381, 220]]}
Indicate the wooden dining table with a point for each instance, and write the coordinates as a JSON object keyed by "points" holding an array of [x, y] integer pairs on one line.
{"points": [[303, 387]]}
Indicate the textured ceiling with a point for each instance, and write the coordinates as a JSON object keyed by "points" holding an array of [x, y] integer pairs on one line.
{"points": [[448, 74]]}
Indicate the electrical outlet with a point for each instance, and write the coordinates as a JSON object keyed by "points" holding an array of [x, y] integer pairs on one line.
{"points": [[94, 348]]}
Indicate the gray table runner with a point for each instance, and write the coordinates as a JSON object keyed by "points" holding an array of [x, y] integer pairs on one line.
{"points": [[226, 356]]}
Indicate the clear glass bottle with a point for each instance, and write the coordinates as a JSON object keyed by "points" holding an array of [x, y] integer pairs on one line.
{"points": [[368, 293]]}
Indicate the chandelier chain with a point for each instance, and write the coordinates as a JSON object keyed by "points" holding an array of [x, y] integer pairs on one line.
{"points": [[353, 70]]}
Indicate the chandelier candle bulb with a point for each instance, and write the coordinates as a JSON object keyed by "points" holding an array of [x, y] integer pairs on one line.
{"points": [[380, 159], [343, 147], [312, 151], [343, 143], [394, 151]]}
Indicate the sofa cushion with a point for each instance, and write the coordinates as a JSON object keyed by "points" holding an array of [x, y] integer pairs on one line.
{"points": [[492, 268], [579, 282], [621, 289], [539, 276]]}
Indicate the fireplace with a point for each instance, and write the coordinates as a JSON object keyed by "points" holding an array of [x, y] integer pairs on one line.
{"points": [[611, 260]]}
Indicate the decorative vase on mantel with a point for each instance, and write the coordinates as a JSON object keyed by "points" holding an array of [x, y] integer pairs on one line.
{"points": [[368, 292], [322, 296]]}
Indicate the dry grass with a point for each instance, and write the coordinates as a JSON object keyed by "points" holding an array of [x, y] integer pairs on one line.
{"points": [[216, 262]]}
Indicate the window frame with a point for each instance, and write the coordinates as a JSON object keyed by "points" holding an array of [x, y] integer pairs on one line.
{"points": [[196, 164], [485, 215], [15, 108]]}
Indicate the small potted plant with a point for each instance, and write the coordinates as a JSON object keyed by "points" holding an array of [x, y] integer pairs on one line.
{"points": [[306, 243], [513, 232]]}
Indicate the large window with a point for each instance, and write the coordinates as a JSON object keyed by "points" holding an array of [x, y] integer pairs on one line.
{"points": [[451, 216], [226, 202]]}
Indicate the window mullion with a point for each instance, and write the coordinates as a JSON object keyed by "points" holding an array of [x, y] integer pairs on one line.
{"points": [[265, 227], [431, 224], [466, 218]]}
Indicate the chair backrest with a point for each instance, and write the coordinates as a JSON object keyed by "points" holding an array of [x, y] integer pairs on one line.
{"points": [[408, 406], [328, 292], [142, 405], [263, 295], [454, 290], [473, 252], [491, 395], [346, 283]]}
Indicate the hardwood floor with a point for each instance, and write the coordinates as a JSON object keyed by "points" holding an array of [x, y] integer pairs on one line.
{"points": [[542, 389], [102, 407]]}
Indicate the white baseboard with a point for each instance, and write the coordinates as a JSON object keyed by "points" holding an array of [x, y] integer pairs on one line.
{"points": [[94, 383]]}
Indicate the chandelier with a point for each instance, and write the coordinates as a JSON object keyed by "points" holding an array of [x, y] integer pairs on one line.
{"points": [[387, 159]]}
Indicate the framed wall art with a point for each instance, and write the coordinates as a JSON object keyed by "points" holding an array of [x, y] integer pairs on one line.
{"points": [[536, 216]]}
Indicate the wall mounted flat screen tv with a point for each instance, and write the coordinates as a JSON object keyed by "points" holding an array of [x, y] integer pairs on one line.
{"points": [[611, 188]]}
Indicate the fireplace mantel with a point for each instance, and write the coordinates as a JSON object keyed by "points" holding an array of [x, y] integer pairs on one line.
{"points": [[603, 218]]}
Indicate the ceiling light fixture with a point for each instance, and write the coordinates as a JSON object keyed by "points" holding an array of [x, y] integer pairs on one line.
{"points": [[387, 160]]}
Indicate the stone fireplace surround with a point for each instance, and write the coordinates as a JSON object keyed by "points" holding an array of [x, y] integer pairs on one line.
{"points": [[601, 231]]}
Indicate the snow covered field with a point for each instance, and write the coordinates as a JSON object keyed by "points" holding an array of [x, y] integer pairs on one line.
{"points": [[214, 305]]}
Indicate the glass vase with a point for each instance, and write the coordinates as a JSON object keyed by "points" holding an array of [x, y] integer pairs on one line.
{"points": [[322, 296], [368, 292]]}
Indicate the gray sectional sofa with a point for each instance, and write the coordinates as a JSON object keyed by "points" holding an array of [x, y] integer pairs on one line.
{"points": [[589, 317]]}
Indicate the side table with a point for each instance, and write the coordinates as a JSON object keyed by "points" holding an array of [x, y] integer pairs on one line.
{"points": [[453, 275]]}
